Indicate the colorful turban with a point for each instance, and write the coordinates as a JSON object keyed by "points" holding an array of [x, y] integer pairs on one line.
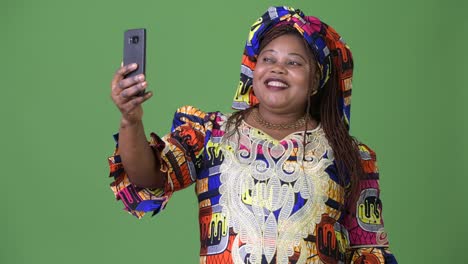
{"points": [[330, 50]]}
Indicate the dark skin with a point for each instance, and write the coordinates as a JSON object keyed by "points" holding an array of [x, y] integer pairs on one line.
{"points": [[142, 167]]}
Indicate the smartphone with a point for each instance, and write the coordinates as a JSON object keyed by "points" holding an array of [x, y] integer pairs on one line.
{"points": [[135, 50]]}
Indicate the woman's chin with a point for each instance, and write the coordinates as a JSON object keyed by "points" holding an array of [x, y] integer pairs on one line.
{"points": [[276, 104]]}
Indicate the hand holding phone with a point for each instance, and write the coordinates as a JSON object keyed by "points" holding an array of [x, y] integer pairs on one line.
{"points": [[129, 83], [128, 93]]}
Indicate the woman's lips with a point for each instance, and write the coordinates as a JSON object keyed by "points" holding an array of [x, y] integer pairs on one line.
{"points": [[276, 84]]}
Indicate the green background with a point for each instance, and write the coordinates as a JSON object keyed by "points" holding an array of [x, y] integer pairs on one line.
{"points": [[57, 119]]}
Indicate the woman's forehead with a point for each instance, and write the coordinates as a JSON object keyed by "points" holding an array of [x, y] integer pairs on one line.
{"points": [[287, 43]]}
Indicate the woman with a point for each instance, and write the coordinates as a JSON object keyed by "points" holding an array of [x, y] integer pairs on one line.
{"points": [[280, 180]]}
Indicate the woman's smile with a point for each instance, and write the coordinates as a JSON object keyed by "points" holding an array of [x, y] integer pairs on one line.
{"points": [[275, 84]]}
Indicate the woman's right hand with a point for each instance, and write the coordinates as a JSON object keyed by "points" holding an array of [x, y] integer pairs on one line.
{"points": [[125, 94]]}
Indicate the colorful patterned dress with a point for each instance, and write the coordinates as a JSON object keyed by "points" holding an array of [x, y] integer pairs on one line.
{"points": [[262, 200]]}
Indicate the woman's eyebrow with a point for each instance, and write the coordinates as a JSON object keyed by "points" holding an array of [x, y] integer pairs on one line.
{"points": [[291, 54], [268, 50], [297, 54]]}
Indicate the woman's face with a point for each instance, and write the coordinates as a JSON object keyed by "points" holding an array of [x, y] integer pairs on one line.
{"points": [[282, 78]]}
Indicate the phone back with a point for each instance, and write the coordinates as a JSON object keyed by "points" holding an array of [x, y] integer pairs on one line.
{"points": [[135, 50]]}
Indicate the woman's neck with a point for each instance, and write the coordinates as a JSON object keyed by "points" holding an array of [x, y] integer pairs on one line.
{"points": [[278, 125], [273, 116]]}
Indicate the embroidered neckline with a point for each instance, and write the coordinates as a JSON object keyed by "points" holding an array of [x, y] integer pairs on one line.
{"points": [[261, 181], [267, 136]]}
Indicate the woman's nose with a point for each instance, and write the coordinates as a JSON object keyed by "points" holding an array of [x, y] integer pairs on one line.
{"points": [[278, 68]]}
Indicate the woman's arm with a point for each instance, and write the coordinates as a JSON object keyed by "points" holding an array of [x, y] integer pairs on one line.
{"points": [[364, 219], [179, 154], [140, 163]]}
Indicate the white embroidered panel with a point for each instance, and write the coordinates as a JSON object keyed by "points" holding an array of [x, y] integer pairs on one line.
{"points": [[259, 176]]}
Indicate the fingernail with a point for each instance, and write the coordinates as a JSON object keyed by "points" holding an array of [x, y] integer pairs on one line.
{"points": [[134, 65], [141, 77]]}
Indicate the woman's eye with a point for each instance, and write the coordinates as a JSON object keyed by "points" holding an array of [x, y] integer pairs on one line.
{"points": [[294, 63], [266, 59]]}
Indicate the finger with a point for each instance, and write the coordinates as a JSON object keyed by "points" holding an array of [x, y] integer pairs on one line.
{"points": [[121, 97], [121, 72], [137, 101], [127, 83], [134, 90]]}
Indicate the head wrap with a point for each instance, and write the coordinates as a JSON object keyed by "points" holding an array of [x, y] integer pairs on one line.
{"points": [[329, 49]]}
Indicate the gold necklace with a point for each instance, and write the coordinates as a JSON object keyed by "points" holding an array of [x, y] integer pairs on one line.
{"points": [[259, 119]]}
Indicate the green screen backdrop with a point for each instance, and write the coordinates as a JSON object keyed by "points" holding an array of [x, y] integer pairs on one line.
{"points": [[57, 119]]}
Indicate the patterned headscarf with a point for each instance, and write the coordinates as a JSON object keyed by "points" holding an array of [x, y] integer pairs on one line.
{"points": [[329, 49]]}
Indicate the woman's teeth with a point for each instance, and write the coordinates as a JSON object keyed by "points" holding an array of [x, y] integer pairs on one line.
{"points": [[277, 84]]}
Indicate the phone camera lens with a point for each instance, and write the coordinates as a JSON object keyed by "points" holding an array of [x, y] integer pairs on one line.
{"points": [[134, 40]]}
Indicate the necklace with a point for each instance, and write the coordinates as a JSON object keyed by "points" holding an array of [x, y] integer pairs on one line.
{"points": [[259, 119]]}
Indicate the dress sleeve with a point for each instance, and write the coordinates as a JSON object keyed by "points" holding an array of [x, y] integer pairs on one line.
{"points": [[180, 153], [363, 219]]}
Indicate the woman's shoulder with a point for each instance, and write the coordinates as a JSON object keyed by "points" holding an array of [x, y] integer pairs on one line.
{"points": [[366, 152], [193, 110], [368, 159], [188, 110], [195, 114]]}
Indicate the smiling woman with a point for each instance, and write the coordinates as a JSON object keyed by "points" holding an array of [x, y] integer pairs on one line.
{"points": [[278, 181]]}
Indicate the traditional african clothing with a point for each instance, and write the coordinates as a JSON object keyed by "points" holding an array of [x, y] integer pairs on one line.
{"points": [[263, 200]]}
